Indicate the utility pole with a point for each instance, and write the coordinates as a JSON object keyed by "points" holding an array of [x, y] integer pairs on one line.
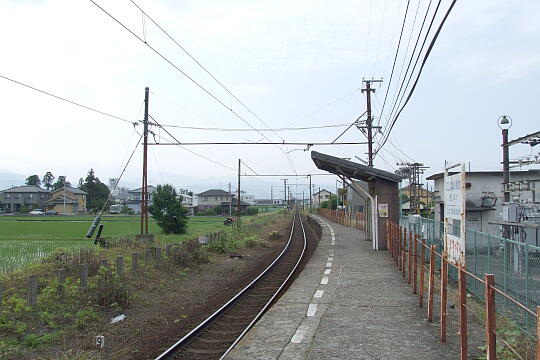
{"points": [[319, 204], [302, 200], [310, 194], [144, 189], [369, 122], [285, 192], [238, 200], [272, 195], [230, 200], [506, 165]]}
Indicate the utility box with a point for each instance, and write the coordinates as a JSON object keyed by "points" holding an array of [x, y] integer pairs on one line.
{"points": [[510, 212]]}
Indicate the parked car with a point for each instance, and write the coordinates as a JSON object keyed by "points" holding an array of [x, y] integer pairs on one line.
{"points": [[51, 212], [37, 212]]}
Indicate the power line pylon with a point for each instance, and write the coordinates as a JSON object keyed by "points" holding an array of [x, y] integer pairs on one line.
{"points": [[369, 122], [413, 171]]}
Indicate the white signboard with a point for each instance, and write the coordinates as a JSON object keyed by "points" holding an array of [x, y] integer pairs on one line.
{"points": [[454, 215]]}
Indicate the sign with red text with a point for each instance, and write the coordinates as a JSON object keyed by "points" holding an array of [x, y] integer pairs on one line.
{"points": [[454, 215]]}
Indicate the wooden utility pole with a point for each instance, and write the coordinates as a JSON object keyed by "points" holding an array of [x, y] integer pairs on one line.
{"points": [[285, 192], [369, 122], [310, 194], [144, 189], [238, 200]]}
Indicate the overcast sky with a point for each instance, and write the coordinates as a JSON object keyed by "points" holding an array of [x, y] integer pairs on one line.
{"points": [[283, 59]]}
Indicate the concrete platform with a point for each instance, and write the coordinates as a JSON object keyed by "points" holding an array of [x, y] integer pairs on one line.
{"points": [[348, 303]]}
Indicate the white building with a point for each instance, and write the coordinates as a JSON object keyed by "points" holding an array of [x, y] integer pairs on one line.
{"points": [[319, 197], [484, 197]]}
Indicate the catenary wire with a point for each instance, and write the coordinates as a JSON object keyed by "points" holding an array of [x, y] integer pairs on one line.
{"points": [[203, 67], [69, 101], [190, 78]]}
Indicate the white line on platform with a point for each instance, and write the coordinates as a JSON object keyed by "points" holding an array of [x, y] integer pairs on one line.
{"points": [[324, 280], [318, 294], [331, 259], [312, 309], [328, 264], [327, 271], [299, 334]]}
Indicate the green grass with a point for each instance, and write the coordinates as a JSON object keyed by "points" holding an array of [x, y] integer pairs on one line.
{"points": [[23, 242]]}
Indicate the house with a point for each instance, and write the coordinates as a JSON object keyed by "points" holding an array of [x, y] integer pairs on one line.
{"points": [[118, 194], [67, 200], [269, 202], [189, 201], [250, 199], [25, 197], [209, 199], [406, 207], [484, 197], [319, 197], [135, 198]]}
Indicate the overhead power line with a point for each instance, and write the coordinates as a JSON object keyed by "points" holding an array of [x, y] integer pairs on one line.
{"points": [[179, 144], [395, 56], [69, 101], [190, 78], [426, 56], [250, 130], [202, 67]]}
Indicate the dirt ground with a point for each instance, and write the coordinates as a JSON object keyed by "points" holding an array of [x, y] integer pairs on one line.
{"points": [[170, 306]]}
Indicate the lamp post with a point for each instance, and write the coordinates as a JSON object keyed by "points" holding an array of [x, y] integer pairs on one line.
{"points": [[505, 122]]}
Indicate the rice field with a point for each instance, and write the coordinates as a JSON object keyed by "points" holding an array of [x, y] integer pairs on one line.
{"points": [[25, 240]]}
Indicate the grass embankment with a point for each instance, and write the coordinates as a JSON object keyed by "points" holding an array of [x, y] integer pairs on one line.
{"points": [[28, 239], [67, 311]]}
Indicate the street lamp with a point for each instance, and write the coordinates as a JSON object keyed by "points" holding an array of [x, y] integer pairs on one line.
{"points": [[505, 122]]}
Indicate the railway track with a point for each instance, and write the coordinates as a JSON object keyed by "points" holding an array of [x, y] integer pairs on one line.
{"points": [[216, 336]]}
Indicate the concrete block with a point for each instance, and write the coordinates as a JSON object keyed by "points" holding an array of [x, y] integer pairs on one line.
{"points": [[158, 258], [148, 257], [32, 290], [134, 263], [61, 281], [84, 276], [120, 266]]}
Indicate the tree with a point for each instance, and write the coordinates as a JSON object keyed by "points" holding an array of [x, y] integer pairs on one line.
{"points": [[33, 180], [60, 183], [48, 179], [332, 203], [98, 192], [166, 206]]}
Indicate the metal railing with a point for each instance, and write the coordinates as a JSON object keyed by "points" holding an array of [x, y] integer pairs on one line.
{"points": [[515, 265]]}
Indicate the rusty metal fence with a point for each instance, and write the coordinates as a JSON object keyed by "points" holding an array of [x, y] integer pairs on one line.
{"points": [[515, 266], [502, 273]]}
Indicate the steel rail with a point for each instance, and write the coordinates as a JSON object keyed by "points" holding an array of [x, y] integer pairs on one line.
{"points": [[199, 328], [276, 294]]}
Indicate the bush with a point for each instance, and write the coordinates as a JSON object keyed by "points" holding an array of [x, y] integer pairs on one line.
{"points": [[110, 289], [128, 211], [252, 211], [166, 208], [253, 241], [190, 253], [85, 317], [274, 235]]}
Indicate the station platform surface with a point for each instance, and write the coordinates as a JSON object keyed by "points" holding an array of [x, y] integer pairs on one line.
{"points": [[349, 302]]}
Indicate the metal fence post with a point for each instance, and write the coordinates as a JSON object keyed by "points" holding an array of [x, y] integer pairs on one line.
{"points": [[538, 333], [444, 294], [475, 261], [491, 326], [462, 283], [404, 253], [431, 285], [527, 269], [422, 270], [415, 264], [409, 259]]}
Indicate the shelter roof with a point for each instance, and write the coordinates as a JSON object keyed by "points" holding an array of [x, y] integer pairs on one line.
{"points": [[351, 169]]}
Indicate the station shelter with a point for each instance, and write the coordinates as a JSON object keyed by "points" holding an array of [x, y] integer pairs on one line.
{"points": [[382, 193]]}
